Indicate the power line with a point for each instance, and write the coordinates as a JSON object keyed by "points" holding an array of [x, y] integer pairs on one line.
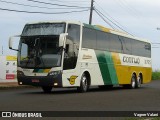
{"points": [[155, 47], [34, 5], [104, 19], [72, 2], [109, 15], [112, 22], [126, 8], [155, 43], [130, 6], [132, 9], [54, 4], [68, 1], [42, 12]]}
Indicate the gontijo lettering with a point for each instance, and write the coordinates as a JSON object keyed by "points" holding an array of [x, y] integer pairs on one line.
{"points": [[133, 60]]}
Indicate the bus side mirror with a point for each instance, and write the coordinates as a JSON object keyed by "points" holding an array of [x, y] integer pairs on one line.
{"points": [[62, 39], [11, 42]]}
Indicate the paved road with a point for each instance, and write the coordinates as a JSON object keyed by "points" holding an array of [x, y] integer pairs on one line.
{"points": [[117, 99]]}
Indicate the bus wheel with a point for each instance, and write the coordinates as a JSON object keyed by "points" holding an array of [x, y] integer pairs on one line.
{"points": [[139, 81], [84, 84], [133, 82], [47, 89]]}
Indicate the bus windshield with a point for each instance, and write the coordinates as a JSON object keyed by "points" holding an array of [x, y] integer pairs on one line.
{"points": [[39, 52], [39, 46], [43, 29]]}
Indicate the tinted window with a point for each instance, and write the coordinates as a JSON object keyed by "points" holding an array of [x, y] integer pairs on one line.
{"points": [[127, 48], [72, 46], [148, 49], [89, 38], [140, 48], [102, 40], [74, 33], [115, 43], [96, 39]]}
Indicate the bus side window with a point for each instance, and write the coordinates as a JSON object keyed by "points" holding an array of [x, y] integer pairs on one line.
{"points": [[127, 48], [69, 56], [72, 46]]}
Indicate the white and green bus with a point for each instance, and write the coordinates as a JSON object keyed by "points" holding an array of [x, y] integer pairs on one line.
{"points": [[74, 54]]}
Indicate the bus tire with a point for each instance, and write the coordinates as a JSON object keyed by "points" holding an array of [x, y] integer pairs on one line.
{"points": [[133, 82], [139, 82], [46, 89], [84, 84]]}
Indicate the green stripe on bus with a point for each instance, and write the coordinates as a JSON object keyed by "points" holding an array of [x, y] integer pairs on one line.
{"points": [[107, 68], [92, 27]]}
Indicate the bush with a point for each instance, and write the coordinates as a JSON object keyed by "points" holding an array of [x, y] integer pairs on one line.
{"points": [[155, 75]]}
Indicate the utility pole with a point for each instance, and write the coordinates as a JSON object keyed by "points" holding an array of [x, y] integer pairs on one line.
{"points": [[91, 12]]}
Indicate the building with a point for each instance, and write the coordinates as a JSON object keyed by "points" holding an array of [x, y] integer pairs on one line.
{"points": [[8, 68]]}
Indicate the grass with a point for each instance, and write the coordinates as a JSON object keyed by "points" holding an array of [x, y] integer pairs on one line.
{"points": [[156, 75]]}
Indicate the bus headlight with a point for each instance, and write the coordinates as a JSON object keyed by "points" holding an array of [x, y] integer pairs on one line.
{"points": [[54, 73], [20, 73]]}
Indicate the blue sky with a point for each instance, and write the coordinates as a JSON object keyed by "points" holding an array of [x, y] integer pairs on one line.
{"points": [[139, 17]]}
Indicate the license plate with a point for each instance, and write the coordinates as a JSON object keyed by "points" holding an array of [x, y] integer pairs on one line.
{"points": [[35, 81]]}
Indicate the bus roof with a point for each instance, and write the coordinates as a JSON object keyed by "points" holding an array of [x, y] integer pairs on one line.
{"points": [[96, 27], [39, 22]]}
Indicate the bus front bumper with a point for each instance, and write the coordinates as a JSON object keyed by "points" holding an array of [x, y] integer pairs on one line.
{"points": [[40, 80]]}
